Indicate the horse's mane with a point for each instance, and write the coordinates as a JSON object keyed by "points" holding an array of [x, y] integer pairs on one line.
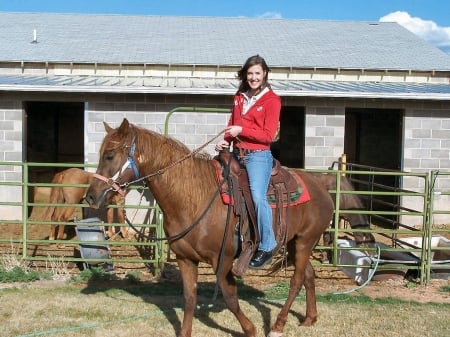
{"points": [[147, 142], [155, 151], [173, 147]]}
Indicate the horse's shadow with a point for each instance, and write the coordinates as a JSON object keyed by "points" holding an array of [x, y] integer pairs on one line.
{"points": [[157, 293]]}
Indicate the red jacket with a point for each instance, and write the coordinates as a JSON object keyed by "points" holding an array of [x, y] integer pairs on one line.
{"points": [[259, 124]]}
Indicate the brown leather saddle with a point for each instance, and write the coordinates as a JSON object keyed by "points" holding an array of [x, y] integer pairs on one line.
{"points": [[285, 189]]}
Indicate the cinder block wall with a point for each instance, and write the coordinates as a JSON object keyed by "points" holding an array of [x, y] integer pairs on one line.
{"points": [[324, 135], [11, 135], [192, 128], [426, 128]]}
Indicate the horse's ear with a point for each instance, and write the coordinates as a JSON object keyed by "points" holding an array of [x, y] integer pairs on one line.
{"points": [[107, 127], [123, 128]]}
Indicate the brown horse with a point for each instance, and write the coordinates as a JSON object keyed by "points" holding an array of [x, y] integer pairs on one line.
{"points": [[71, 196], [183, 184], [347, 201]]}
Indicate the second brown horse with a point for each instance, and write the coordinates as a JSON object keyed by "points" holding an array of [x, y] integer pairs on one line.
{"points": [[62, 193]]}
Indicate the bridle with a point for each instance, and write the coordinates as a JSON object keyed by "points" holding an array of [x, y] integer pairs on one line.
{"points": [[129, 163]]}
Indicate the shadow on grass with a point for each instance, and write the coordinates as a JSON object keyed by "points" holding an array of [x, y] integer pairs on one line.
{"points": [[168, 297]]}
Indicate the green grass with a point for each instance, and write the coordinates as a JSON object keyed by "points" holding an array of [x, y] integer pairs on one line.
{"points": [[280, 291], [18, 274], [100, 306], [93, 274], [445, 289]]}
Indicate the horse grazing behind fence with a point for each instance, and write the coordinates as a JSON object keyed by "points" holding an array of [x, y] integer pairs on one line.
{"points": [[71, 196], [195, 218]]}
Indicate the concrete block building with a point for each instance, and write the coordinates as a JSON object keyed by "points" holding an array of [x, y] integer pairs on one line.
{"points": [[371, 90]]}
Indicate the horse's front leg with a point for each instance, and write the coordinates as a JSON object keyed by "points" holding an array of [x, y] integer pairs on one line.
{"points": [[189, 274]]}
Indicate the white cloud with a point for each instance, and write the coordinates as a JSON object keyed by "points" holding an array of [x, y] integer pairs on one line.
{"points": [[271, 15], [426, 29]]}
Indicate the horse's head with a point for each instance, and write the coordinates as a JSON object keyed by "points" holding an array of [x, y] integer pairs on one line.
{"points": [[116, 167]]}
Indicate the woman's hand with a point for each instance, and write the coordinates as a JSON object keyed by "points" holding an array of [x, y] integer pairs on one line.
{"points": [[223, 144], [234, 130]]}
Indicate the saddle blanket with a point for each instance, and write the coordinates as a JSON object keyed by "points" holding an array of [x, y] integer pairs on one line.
{"points": [[296, 197], [293, 197]]}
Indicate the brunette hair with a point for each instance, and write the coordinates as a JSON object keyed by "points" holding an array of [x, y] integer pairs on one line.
{"points": [[242, 73]]}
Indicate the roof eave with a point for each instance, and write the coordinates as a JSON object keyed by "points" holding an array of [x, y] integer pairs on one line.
{"points": [[221, 91]]}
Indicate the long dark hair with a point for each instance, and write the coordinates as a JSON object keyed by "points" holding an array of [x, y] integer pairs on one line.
{"points": [[242, 73]]}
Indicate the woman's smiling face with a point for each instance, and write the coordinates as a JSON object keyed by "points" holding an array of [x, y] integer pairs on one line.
{"points": [[255, 77]]}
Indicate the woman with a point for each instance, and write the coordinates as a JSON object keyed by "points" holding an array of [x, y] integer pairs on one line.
{"points": [[251, 128]]}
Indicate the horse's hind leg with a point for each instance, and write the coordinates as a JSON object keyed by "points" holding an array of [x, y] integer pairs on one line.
{"points": [[310, 287], [110, 229], [48, 216], [302, 274], [60, 235], [63, 214], [229, 292], [111, 212], [121, 216], [52, 232]]}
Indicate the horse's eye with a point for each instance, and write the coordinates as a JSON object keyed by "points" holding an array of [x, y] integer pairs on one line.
{"points": [[108, 156]]}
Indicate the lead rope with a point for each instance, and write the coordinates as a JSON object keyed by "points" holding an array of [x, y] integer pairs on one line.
{"points": [[183, 232]]}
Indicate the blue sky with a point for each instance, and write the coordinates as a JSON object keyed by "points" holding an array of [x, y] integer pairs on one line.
{"points": [[430, 19]]}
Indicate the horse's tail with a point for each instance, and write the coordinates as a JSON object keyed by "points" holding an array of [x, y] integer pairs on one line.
{"points": [[56, 196]]}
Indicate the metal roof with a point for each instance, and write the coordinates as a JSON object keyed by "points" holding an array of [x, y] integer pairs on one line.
{"points": [[119, 39], [212, 86]]}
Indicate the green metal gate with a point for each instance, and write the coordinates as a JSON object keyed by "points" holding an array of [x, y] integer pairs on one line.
{"points": [[40, 249], [396, 214]]}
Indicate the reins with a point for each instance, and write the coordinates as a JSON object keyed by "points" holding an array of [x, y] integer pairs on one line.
{"points": [[119, 188], [184, 231], [175, 163]]}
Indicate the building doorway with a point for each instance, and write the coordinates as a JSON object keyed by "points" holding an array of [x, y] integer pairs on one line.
{"points": [[54, 133], [374, 138], [289, 149]]}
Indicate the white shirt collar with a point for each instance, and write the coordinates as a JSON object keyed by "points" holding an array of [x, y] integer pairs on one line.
{"points": [[250, 101], [256, 97]]}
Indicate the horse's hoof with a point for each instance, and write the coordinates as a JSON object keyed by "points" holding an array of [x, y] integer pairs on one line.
{"points": [[309, 322], [275, 334]]}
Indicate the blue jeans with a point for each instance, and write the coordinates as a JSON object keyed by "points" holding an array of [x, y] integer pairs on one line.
{"points": [[259, 167]]}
